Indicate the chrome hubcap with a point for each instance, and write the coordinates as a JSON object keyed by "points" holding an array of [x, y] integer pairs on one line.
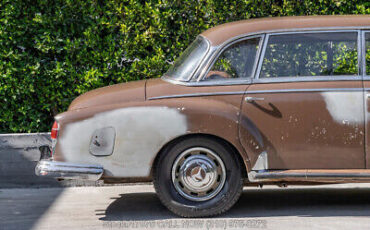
{"points": [[198, 174]]}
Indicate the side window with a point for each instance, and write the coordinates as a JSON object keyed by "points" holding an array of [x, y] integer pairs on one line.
{"points": [[310, 54], [237, 61], [367, 39]]}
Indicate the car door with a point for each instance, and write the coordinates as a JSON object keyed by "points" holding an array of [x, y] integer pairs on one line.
{"points": [[305, 108], [366, 73]]}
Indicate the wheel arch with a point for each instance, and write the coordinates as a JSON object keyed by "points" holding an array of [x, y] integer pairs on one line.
{"points": [[176, 140]]}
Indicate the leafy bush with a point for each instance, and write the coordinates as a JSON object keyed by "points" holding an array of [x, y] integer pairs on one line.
{"points": [[54, 50]]}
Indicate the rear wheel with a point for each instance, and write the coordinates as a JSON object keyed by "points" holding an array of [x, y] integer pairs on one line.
{"points": [[198, 177]]}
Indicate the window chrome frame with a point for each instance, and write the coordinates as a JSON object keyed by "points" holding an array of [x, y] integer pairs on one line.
{"points": [[366, 76], [257, 78], [214, 50], [216, 55]]}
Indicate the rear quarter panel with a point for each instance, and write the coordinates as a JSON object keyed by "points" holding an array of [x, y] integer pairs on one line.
{"points": [[143, 128]]}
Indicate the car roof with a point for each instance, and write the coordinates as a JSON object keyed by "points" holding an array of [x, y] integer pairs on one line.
{"points": [[222, 33]]}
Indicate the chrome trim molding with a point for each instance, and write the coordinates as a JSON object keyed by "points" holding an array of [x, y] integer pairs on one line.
{"points": [[172, 81], [205, 65], [307, 79], [65, 170], [218, 52], [260, 176], [258, 91], [262, 162], [197, 95], [241, 81], [245, 81], [359, 54], [273, 80], [199, 68], [215, 50], [304, 90], [363, 50], [261, 57], [299, 30]]}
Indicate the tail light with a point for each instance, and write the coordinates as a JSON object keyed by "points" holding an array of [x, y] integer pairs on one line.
{"points": [[54, 130], [54, 136]]}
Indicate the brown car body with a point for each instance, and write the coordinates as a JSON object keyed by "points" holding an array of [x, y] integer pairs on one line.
{"points": [[297, 134]]}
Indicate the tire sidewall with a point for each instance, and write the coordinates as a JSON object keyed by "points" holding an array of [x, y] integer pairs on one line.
{"points": [[175, 200]]}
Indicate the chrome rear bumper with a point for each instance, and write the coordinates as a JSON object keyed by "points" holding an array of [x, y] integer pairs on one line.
{"points": [[63, 170]]}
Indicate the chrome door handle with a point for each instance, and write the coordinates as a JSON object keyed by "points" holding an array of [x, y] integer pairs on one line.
{"points": [[250, 99]]}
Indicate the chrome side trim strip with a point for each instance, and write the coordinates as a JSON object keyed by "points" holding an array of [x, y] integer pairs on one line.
{"points": [[256, 92], [258, 176], [307, 79], [264, 80], [197, 95], [304, 90], [245, 81]]}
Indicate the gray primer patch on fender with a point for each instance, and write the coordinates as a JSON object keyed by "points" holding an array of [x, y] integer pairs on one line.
{"points": [[140, 134], [345, 106]]}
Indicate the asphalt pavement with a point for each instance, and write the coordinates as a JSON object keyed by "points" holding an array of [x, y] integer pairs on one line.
{"points": [[137, 207]]}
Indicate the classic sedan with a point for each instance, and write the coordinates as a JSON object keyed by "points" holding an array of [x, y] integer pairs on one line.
{"points": [[265, 101]]}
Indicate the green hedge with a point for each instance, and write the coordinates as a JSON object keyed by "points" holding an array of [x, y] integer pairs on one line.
{"points": [[53, 51]]}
